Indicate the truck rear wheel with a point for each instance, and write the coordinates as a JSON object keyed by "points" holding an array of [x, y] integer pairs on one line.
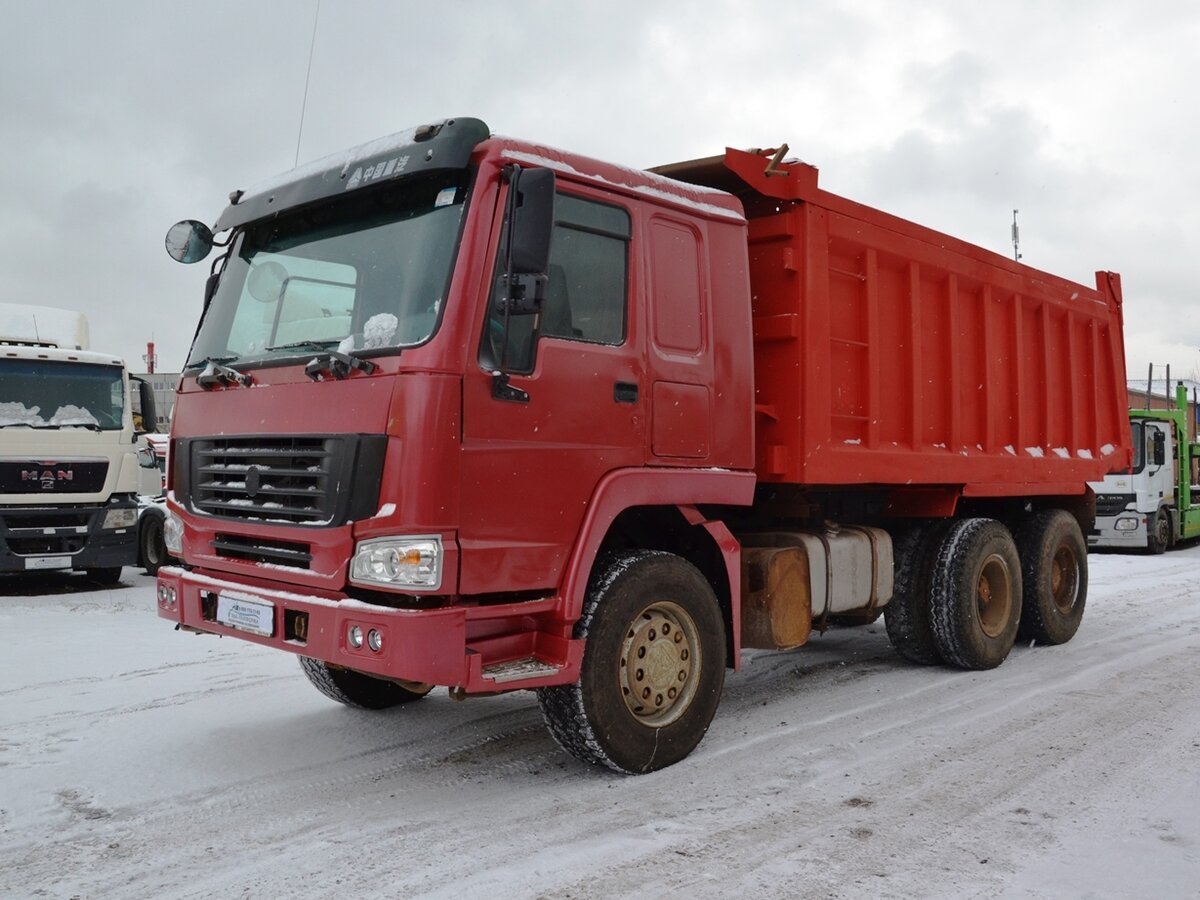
{"points": [[975, 606], [907, 613], [356, 689], [653, 666], [1053, 556]]}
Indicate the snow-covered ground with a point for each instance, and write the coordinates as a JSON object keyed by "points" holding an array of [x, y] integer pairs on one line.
{"points": [[140, 762]]}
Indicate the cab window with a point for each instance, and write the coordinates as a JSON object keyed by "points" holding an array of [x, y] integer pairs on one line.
{"points": [[586, 292]]}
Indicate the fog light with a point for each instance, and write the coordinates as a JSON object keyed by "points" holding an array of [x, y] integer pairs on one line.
{"points": [[374, 640], [166, 595], [354, 637]]}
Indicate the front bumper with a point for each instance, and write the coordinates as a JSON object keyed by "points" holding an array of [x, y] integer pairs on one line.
{"points": [[1105, 533], [458, 646], [64, 537]]}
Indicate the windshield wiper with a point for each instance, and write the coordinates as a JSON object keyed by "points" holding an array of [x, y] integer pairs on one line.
{"points": [[339, 365], [307, 345], [215, 373]]}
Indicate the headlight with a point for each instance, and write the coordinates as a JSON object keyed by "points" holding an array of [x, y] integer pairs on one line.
{"points": [[411, 563], [1128, 523], [120, 518], [173, 534]]}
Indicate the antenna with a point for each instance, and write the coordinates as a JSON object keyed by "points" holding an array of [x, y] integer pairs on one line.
{"points": [[1016, 236], [307, 75]]}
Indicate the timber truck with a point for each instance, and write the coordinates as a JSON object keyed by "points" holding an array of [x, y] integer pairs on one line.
{"points": [[1155, 502], [469, 411], [71, 462]]}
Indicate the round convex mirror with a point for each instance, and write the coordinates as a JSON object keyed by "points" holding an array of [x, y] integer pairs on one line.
{"points": [[189, 241]]}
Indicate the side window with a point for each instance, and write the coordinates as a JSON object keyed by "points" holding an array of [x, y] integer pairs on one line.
{"points": [[586, 294]]}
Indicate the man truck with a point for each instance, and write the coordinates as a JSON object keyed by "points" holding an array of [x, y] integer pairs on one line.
{"points": [[469, 411], [1154, 503], [71, 465]]}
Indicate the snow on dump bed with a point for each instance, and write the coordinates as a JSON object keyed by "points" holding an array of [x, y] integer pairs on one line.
{"points": [[25, 323]]}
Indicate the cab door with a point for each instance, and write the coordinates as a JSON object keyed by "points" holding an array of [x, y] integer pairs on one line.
{"points": [[574, 408]]}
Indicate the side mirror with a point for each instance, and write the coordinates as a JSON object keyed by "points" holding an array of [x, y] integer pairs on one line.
{"points": [[532, 222], [189, 241], [149, 412], [1160, 448]]}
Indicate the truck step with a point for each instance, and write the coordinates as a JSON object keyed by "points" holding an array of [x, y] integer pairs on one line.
{"points": [[518, 670]]}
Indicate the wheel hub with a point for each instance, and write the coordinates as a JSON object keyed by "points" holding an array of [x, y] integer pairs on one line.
{"points": [[993, 596], [658, 660]]}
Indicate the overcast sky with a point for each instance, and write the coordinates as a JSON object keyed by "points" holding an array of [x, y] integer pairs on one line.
{"points": [[120, 118]]}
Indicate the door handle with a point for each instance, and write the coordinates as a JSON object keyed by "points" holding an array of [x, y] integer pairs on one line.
{"points": [[624, 392]]}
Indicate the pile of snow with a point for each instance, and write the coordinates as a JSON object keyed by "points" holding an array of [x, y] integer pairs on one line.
{"points": [[12, 413]]}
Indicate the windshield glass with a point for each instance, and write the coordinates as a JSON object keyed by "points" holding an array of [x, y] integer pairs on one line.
{"points": [[42, 393], [368, 273]]}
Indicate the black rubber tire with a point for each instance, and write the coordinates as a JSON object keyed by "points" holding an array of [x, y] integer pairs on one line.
{"points": [[105, 576], [152, 550], [1054, 575], [598, 719], [356, 689], [975, 605], [907, 614], [1159, 537]]}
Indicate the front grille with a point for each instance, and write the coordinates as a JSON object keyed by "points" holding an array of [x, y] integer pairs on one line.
{"points": [[1111, 504], [279, 553], [290, 480]]}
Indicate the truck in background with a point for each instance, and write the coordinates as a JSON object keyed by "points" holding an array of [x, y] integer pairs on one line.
{"points": [[464, 410], [1155, 503], [71, 463]]}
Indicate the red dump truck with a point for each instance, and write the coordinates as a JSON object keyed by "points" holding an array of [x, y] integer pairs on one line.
{"points": [[468, 411]]}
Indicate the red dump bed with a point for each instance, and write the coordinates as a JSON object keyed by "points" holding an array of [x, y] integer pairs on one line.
{"points": [[888, 353]]}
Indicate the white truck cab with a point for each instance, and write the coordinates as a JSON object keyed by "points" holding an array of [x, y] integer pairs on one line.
{"points": [[1135, 509], [71, 462]]}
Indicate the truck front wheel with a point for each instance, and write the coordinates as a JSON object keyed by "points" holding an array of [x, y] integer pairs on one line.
{"points": [[359, 690], [1054, 574], [152, 549], [975, 607], [653, 666], [1160, 533], [104, 576]]}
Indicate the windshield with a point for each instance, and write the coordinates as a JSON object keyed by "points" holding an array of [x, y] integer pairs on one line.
{"points": [[367, 273], [42, 393]]}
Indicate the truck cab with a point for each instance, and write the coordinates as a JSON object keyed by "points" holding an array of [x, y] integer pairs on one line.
{"points": [[1135, 508], [71, 463]]}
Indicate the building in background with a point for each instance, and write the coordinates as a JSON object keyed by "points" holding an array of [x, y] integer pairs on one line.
{"points": [[1157, 396]]}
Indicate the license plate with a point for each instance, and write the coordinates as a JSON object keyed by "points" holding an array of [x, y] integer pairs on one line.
{"points": [[255, 616], [47, 562]]}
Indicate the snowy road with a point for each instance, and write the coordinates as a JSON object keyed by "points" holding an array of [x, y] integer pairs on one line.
{"points": [[138, 762]]}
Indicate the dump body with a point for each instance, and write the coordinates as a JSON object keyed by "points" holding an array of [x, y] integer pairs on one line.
{"points": [[887, 353]]}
